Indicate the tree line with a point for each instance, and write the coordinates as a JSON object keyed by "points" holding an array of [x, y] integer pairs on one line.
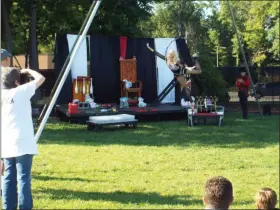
{"points": [[29, 27]]}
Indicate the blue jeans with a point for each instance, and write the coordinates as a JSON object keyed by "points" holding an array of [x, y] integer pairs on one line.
{"points": [[17, 176]]}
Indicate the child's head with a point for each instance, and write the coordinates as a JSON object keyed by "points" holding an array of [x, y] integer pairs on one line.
{"points": [[266, 199], [10, 77], [218, 193]]}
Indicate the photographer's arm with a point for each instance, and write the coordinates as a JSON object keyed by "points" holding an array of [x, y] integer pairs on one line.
{"points": [[39, 79]]}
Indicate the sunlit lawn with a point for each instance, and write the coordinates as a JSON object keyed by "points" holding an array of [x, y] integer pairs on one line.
{"points": [[158, 165]]}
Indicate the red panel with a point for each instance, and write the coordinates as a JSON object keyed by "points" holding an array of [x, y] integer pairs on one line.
{"points": [[123, 44], [72, 108]]}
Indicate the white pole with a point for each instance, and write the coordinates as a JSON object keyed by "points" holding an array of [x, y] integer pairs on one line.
{"points": [[75, 50]]}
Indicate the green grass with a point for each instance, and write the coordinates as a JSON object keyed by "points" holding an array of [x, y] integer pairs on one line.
{"points": [[158, 165]]}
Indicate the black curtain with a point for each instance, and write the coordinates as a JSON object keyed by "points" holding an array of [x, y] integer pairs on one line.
{"points": [[105, 68], [146, 65], [184, 53], [185, 57], [60, 54]]}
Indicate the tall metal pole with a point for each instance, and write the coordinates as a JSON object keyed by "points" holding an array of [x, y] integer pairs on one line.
{"points": [[243, 54], [65, 63], [76, 48]]}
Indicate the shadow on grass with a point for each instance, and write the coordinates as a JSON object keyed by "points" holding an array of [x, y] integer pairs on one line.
{"points": [[51, 178], [121, 197], [126, 197], [243, 203], [236, 133]]}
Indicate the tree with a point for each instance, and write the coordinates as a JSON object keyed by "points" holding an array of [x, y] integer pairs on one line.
{"points": [[219, 35], [187, 18], [6, 32], [33, 47], [60, 16], [178, 19], [257, 27], [273, 34]]}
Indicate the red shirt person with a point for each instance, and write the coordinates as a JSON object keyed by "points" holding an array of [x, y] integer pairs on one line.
{"points": [[243, 83]]}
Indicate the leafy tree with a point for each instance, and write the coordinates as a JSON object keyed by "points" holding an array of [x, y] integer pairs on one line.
{"points": [[257, 26], [187, 19], [6, 31], [60, 16]]}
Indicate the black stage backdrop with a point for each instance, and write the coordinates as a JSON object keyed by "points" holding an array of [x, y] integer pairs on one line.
{"points": [[185, 56], [105, 68], [146, 65], [60, 54], [184, 52]]}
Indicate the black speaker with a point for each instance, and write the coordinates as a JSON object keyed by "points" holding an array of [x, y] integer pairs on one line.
{"points": [[267, 109]]}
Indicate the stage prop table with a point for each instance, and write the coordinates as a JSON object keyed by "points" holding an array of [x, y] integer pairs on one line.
{"points": [[219, 115], [97, 122]]}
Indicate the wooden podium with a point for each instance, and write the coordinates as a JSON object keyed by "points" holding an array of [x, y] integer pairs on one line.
{"points": [[129, 73]]}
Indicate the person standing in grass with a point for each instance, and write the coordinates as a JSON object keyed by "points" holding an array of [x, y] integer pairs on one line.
{"points": [[218, 193], [18, 144], [5, 62], [243, 83]]}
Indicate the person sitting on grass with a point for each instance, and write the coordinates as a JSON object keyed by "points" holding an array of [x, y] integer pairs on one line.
{"points": [[218, 193], [266, 199]]}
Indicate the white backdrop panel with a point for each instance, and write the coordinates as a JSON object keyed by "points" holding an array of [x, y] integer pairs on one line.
{"points": [[79, 66], [165, 75]]}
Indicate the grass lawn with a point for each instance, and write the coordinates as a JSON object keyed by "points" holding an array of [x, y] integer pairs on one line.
{"points": [[158, 165]]}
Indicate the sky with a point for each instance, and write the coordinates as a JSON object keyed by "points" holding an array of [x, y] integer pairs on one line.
{"points": [[208, 11]]}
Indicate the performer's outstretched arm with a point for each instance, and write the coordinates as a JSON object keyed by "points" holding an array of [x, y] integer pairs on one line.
{"points": [[190, 70], [195, 69], [156, 53]]}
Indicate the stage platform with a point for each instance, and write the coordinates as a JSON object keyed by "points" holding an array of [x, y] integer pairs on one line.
{"points": [[154, 111], [151, 112]]}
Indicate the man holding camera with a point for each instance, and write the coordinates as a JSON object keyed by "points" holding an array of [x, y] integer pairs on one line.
{"points": [[18, 144]]}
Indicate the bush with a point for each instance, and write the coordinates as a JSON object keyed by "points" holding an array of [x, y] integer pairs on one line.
{"points": [[211, 79]]}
